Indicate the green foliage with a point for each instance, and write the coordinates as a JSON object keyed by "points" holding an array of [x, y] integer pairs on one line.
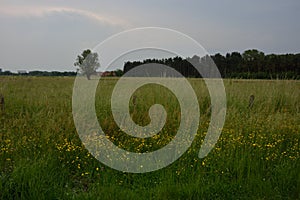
{"points": [[252, 64], [256, 157], [88, 63]]}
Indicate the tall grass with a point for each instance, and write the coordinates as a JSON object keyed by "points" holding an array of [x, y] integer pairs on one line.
{"points": [[256, 157]]}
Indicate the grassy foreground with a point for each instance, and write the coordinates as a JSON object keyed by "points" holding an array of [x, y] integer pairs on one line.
{"points": [[256, 157]]}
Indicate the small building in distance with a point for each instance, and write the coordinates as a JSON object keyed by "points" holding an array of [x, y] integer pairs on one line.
{"points": [[107, 73]]}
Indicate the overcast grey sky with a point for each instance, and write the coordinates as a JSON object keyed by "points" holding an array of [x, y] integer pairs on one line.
{"points": [[49, 34]]}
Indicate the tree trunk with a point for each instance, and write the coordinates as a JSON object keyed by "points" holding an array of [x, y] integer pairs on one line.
{"points": [[88, 76]]}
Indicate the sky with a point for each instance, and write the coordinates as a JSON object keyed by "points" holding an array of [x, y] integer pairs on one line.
{"points": [[49, 34]]}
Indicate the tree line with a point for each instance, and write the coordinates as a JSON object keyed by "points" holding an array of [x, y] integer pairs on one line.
{"points": [[252, 64], [39, 73]]}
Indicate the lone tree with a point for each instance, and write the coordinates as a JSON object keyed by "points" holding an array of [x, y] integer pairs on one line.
{"points": [[88, 63]]}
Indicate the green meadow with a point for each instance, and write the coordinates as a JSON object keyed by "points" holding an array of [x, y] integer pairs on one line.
{"points": [[256, 157]]}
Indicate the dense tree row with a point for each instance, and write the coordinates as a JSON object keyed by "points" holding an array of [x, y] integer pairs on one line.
{"points": [[250, 64], [117, 72], [39, 73]]}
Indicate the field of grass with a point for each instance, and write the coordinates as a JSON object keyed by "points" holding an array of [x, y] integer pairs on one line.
{"points": [[256, 157]]}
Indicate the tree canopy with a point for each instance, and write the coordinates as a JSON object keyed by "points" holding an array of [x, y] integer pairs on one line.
{"points": [[88, 63], [251, 64]]}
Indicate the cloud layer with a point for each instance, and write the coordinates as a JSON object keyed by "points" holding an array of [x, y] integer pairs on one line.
{"points": [[49, 38], [49, 34]]}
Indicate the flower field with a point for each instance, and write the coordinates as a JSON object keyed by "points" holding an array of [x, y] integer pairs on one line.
{"points": [[256, 157]]}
